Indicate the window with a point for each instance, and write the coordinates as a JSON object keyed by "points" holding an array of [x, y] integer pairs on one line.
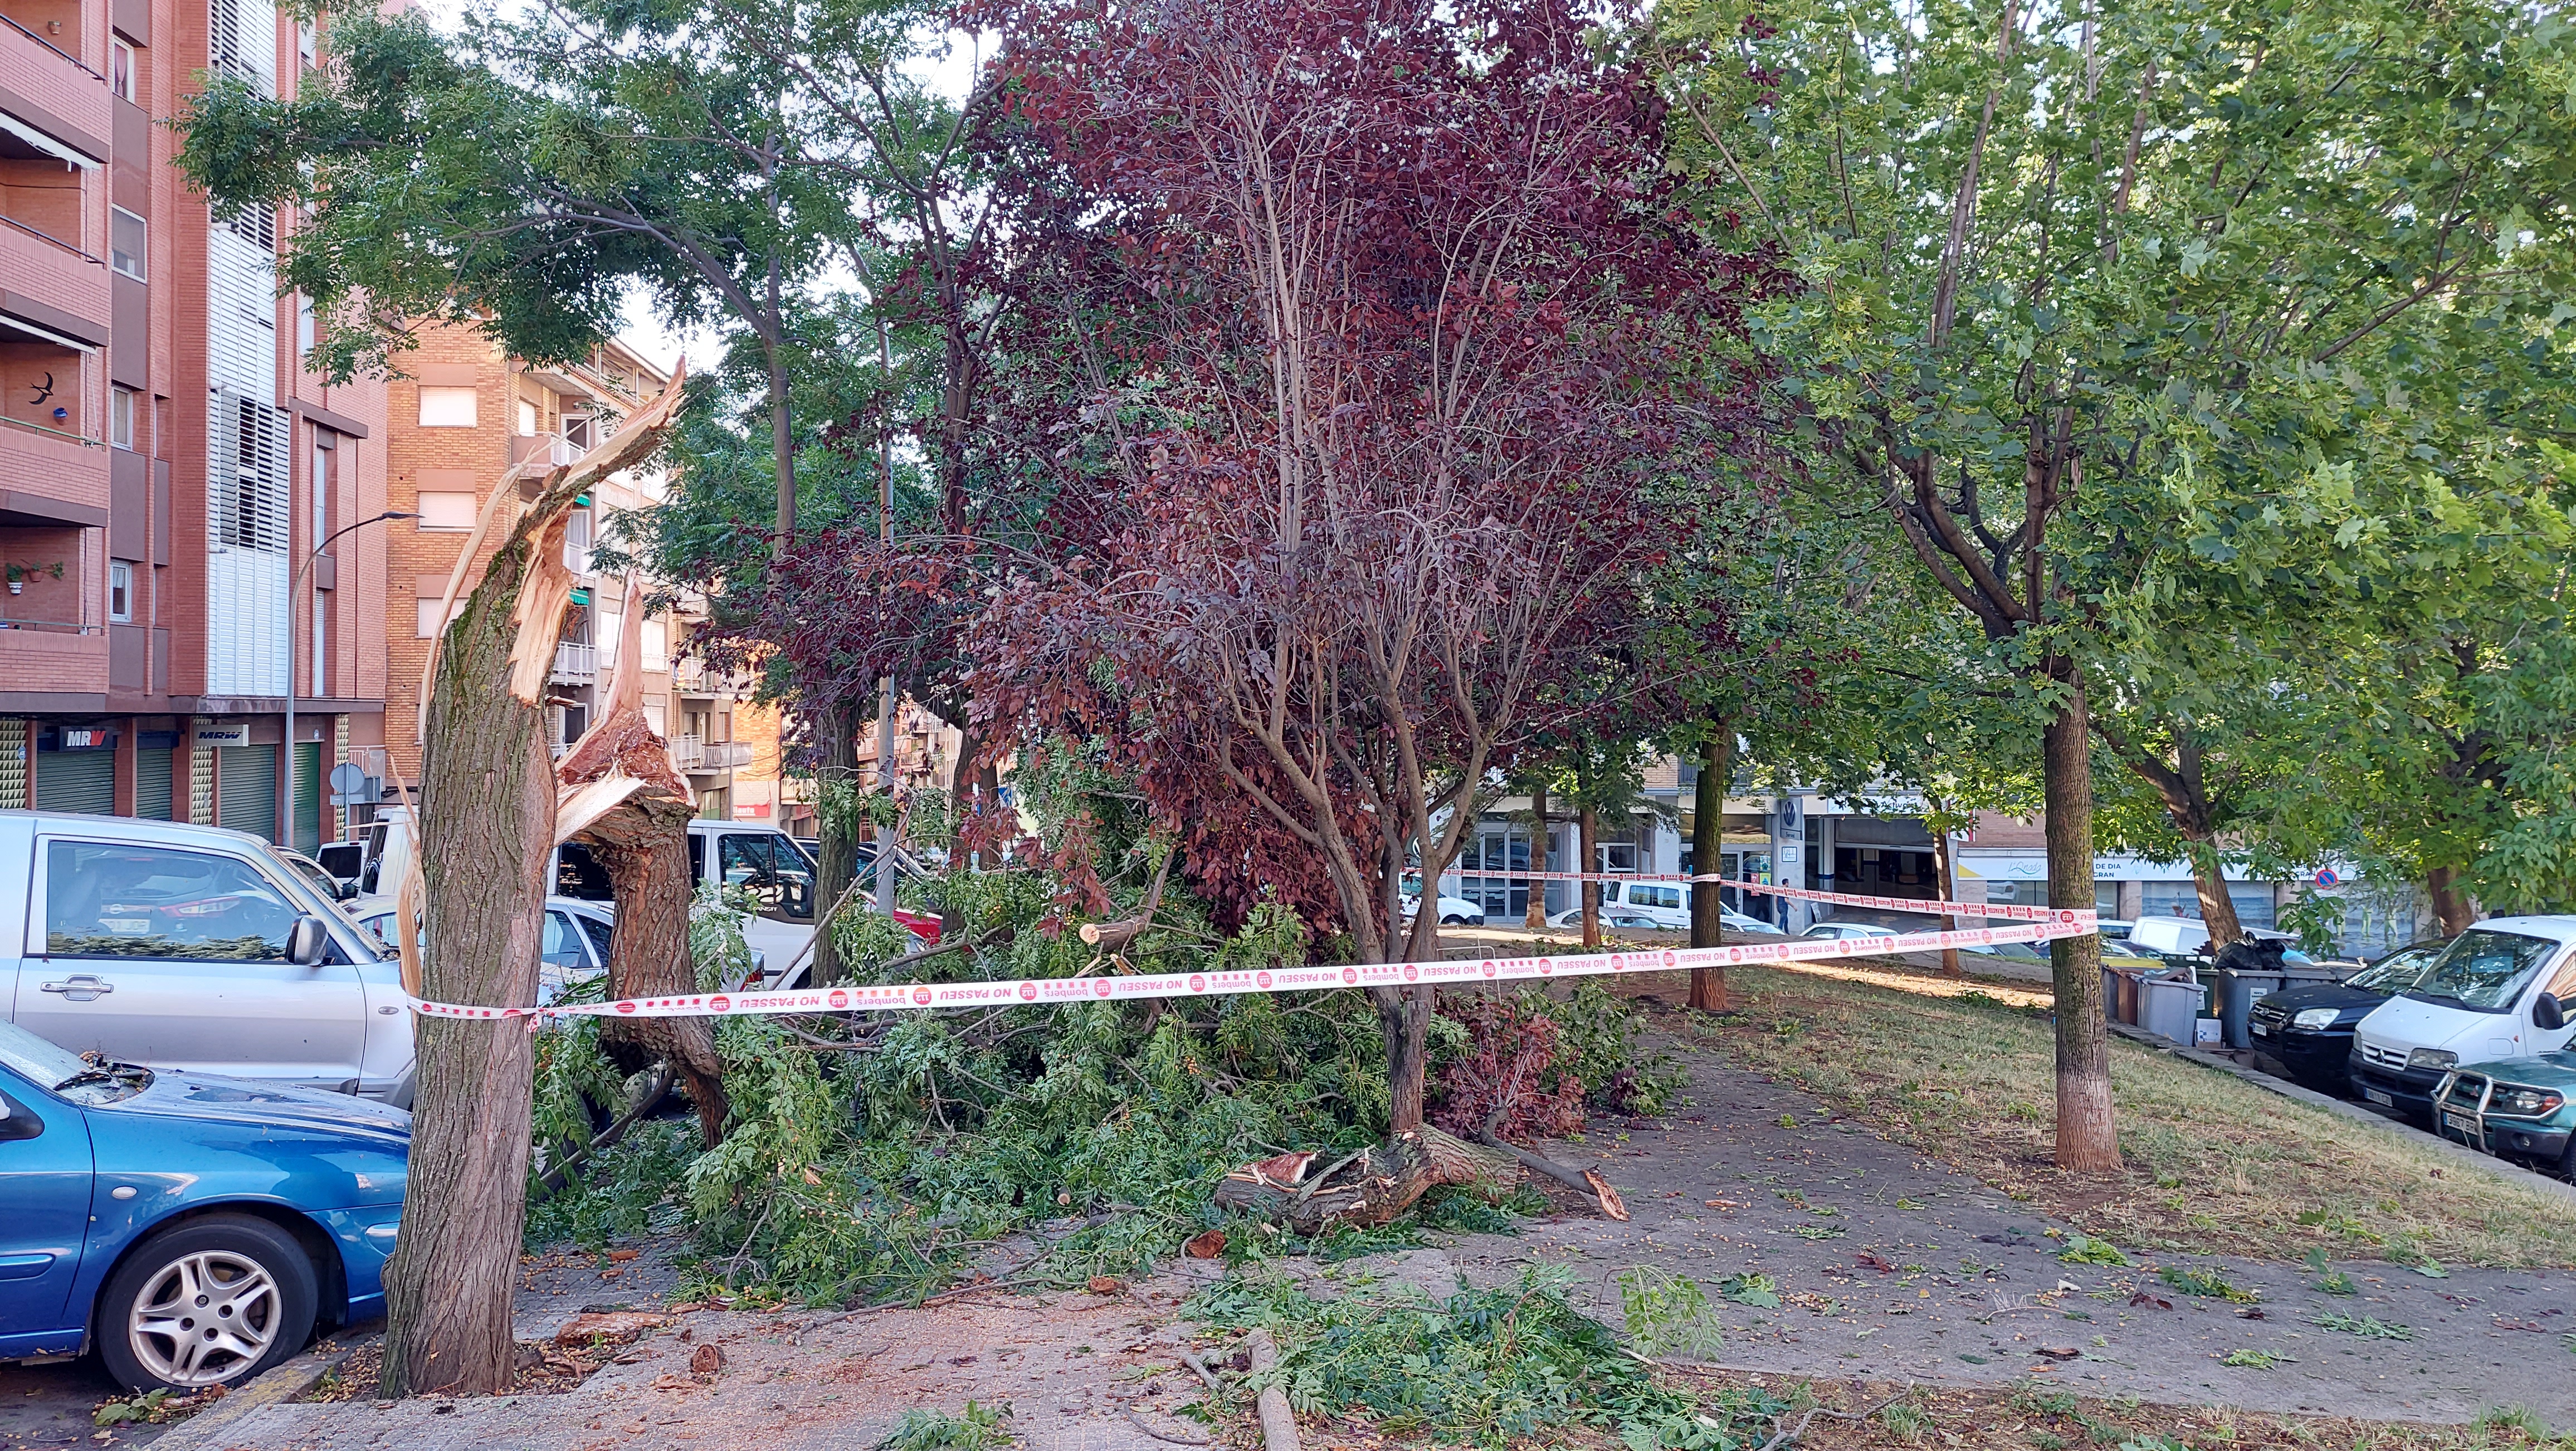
{"points": [[527, 419], [125, 239], [120, 592], [115, 900], [771, 870], [562, 947], [120, 417], [657, 646], [122, 82], [305, 39], [2483, 970], [446, 407], [579, 875], [429, 623], [446, 511], [254, 224]]}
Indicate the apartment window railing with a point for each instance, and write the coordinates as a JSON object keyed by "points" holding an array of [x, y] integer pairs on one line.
{"points": [[41, 235], [688, 752], [54, 432], [576, 662], [50, 627]]}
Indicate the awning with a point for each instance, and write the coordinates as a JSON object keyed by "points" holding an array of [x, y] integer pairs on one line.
{"points": [[12, 323], [62, 151]]}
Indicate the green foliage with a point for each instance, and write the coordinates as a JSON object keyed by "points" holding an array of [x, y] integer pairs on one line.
{"points": [[2208, 1283], [2330, 1282], [2085, 1250], [1751, 1289], [2364, 1326], [1668, 1312], [1484, 1366], [145, 1407], [976, 1428], [1598, 1045], [2252, 1359]]}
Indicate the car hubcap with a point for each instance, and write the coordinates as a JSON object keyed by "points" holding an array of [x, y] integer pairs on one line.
{"points": [[204, 1318]]}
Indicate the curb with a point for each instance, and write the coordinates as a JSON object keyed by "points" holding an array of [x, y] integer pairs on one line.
{"points": [[2504, 1169], [206, 1430]]}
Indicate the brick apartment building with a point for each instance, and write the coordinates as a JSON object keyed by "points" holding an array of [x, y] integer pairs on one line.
{"points": [[167, 469], [464, 414]]}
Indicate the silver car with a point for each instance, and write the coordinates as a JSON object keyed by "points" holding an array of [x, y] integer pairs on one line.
{"points": [[193, 947]]}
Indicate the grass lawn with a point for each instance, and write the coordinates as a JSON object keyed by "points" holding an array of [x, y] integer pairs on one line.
{"points": [[2213, 1164]]}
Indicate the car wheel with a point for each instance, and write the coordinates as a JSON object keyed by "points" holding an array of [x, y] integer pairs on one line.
{"points": [[210, 1302], [1453, 920]]}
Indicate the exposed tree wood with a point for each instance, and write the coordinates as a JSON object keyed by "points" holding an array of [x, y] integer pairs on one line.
{"points": [[1278, 1423], [1114, 936], [1589, 1181], [642, 843], [1373, 1186]]}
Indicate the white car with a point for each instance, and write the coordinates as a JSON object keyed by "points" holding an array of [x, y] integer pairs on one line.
{"points": [[1454, 911], [1846, 931], [575, 944]]}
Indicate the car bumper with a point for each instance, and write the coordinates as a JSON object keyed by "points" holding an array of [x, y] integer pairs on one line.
{"points": [[2313, 1055], [366, 1240], [2409, 1093]]}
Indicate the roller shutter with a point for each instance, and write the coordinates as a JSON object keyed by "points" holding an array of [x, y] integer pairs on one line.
{"points": [[152, 785], [246, 789], [308, 797], [76, 781]]}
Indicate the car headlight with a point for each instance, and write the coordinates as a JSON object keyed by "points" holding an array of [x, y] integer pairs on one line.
{"points": [[2316, 1017], [2432, 1058], [2524, 1102]]}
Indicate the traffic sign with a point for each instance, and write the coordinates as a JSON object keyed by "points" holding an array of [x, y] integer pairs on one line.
{"points": [[347, 780], [2326, 877]]}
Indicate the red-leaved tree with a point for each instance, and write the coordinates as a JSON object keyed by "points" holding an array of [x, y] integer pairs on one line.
{"points": [[1402, 370]]}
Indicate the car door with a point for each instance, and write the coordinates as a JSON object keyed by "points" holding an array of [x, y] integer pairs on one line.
{"points": [[44, 1217], [768, 867], [176, 957]]}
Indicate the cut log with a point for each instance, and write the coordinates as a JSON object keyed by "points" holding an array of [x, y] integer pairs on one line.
{"points": [[1589, 1180]]}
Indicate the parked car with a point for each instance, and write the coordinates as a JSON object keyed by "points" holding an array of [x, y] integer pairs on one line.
{"points": [[2519, 1108], [2310, 1028], [2479, 1001], [1846, 931], [193, 948], [1622, 919], [193, 1230], [760, 863], [1454, 911]]}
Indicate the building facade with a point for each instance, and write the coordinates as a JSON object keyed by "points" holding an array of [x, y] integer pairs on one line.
{"points": [[171, 479]]}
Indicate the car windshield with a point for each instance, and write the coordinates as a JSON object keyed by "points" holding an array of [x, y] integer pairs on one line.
{"points": [[2396, 972], [64, 1071], [318, 899], [2483, 970]]}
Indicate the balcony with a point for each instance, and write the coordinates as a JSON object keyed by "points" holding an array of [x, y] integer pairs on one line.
{"points": [[709, 758], [555, 451], [576, 664], [687, 752], [52, 654]]}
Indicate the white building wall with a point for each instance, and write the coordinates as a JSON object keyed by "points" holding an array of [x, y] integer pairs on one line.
{"points": [[247, 465]]}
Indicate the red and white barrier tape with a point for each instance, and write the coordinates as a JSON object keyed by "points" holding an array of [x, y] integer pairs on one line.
{"points": [[891, 997], [1925, 906]]}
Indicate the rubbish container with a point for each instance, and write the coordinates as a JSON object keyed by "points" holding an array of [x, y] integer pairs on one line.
{"points": [[2168, 1006], [2235, 993], [2120, 995]]}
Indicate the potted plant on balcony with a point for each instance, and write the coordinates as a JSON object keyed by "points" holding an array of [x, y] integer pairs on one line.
{"points": [[19, 574]]}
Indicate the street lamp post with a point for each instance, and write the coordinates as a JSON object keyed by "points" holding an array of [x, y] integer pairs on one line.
{"points": [[295, 647]]}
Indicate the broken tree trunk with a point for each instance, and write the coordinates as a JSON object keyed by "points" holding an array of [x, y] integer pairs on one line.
{"points": [[487, 825], [625, 797], [1373, 1186]]}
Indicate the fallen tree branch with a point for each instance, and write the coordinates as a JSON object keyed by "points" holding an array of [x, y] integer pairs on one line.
{"points": [[1589, 1180], [1139, 1422], [660, 1084], [1278, 1423]]}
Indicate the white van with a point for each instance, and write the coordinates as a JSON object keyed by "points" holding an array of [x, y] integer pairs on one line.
{"points": [[2478, 1002]]}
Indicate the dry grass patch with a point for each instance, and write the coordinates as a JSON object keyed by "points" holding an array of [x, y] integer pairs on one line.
{"points": [[2212, 1164]]}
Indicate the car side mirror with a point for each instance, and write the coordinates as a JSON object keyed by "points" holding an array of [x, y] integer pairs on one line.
{"points": [[307, 941], [2548, 1014]]}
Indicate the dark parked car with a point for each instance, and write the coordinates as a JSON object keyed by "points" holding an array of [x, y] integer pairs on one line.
{"points": [[2310, 1028]]}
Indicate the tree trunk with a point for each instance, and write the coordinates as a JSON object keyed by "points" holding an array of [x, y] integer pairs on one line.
{"points": [[836, 837], [1945, 879], [884, 881], [2217, 909], [1535, 919], [1587, 827], [1708, 851], [487, 811], [1404, 1017], [646, 855], [2087, 1137], [2452, 908]]}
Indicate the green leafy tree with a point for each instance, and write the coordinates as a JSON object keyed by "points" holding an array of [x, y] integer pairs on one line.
{"points": [[2082, 277]]}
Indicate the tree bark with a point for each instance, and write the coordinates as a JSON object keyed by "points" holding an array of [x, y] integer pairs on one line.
{"points": [[1587, 828], [2087, 1138], [839, 852], [487, 825], [1404, 1018], [1708, 851], [1535, 918], [2452, 908], [645, 852], [1945, 880], [2217, 909]]}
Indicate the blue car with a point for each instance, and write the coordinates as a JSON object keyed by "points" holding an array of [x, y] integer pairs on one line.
{"points": [[193, 1230]]}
